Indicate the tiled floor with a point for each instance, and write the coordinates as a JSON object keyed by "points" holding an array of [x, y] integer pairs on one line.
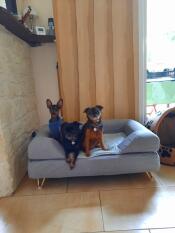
{"points": [[116, 204]]}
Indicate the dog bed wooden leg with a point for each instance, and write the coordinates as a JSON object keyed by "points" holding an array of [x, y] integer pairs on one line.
{"points": [[149, 175], [40, 184]]}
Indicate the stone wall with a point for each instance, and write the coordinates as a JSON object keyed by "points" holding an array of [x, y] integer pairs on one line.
{"points": [[18, 113]]}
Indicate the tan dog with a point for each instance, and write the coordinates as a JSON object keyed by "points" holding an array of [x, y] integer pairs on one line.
{"points": [[93, 130]]}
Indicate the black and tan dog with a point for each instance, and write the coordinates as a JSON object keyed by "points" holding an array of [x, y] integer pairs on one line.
{"points": [[54, 109], [56, 118], [93, 130], [71, 134]]}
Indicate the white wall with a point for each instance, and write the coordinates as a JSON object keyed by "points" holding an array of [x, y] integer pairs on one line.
{"points": [[43, 59], [139, 39], [43, 9], [45, 77]]}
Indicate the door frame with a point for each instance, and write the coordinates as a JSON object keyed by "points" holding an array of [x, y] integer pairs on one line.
{"points": [[140, 55]]}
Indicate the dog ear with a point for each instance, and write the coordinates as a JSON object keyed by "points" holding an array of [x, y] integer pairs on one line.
{"points": [[86, 110], [99, 107], [60, 103], [49, 103]]}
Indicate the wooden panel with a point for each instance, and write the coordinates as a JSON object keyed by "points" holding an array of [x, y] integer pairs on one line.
{"points": [[66, 34], [123, 58], [86, 64], [104, 56]]}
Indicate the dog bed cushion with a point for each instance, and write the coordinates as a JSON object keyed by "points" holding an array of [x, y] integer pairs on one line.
{"points": [[48, 148], [120, 136], [111, 142], [45, 148]]}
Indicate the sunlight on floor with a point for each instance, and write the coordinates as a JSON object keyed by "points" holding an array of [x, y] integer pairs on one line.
{"points": [[93, 204]]}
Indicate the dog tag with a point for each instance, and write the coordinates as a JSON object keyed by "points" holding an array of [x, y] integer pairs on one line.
{"points": [[73, 143], [95, 129]]}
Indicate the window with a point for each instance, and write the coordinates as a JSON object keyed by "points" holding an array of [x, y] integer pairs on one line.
{"points": [[160, 55], [3, 3]]}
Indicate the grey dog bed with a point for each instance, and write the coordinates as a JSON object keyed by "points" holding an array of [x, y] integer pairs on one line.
{"points": [[131, 149]]}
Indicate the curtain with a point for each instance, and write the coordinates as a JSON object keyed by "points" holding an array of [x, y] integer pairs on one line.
{"points": [[95, 51]]}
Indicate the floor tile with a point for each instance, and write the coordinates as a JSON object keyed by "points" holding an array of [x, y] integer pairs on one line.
{"points": [[141, 180], [51, 186], [132, 231], [138, 208], [165, 230], [63, 213], [166, 175], [85, 184]]}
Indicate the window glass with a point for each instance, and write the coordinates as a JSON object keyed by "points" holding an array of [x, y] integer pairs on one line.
{"points": [[2, 3]]}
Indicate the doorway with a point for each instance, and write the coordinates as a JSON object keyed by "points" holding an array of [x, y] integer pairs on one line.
{"points": [[160, 83]]}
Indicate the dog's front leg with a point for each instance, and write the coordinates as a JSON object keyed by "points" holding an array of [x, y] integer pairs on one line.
{"points": [[87, 143], [102, 145], [71, 159]]}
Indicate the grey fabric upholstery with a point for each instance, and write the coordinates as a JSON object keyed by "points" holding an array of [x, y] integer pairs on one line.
{"points": [[132, 148], [139, 139], [45, 148], [96, 166]]}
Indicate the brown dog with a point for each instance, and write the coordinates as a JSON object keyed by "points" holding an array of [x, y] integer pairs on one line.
{"points": [[93, 130]]}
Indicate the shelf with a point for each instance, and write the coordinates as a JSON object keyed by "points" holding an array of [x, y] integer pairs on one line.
{"points": [[17, 28]]}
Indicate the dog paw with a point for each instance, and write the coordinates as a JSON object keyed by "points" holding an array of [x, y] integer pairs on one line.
{"points": [[71, 160], [88, 154]]}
